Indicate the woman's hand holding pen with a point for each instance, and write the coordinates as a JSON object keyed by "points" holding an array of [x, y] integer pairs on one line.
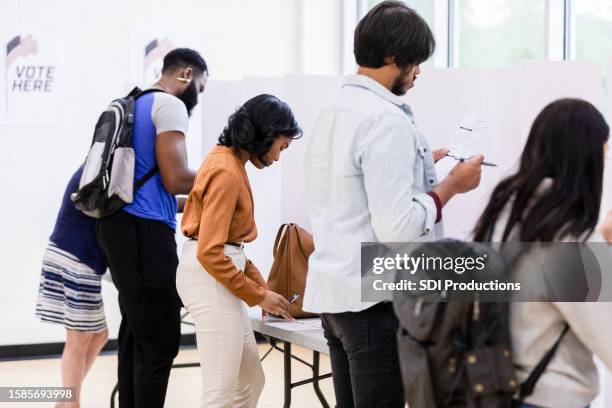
{"points": [[277, 305]]}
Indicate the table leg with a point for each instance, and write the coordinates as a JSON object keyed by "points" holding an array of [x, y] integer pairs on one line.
{"points": [[315, 382], [287, 355]]}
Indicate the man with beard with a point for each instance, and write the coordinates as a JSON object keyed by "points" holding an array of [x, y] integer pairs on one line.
{"points": [[370, 177], [138, 241]]}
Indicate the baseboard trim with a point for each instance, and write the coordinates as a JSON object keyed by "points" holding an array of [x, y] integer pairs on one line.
{"points": [[54, 350]]}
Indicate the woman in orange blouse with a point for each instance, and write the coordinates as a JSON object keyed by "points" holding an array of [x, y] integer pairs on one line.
{"points": [[214, 277]]}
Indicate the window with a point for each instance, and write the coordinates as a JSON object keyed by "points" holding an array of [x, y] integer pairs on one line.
{"points": [[498, 33], [593, 33]]}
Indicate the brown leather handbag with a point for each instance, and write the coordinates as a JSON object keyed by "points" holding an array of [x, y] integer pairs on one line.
{"points": [[292, 247]]}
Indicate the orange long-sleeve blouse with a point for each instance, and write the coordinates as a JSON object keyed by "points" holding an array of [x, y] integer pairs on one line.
{"points": [[219, 209]]}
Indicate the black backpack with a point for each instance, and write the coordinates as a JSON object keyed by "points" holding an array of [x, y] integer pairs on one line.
{"points": [[107, 182], [458, 353]]}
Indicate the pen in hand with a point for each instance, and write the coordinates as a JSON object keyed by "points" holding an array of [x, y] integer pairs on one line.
{"points": [[461, 159], [290, 299]]}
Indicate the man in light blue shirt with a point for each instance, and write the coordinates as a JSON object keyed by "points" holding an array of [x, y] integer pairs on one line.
{"points": [[370, 177]]}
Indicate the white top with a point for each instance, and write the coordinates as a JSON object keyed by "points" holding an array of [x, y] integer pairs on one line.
{"points": [[571, 379], [169, 113], [367, 171]]}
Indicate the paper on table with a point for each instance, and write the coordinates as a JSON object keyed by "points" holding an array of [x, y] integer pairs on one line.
{"points": [[469, 139], [298, 325]]}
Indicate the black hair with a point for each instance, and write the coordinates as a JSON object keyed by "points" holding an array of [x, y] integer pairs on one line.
{"points": [[565, 143], [255, 126], [393, 30], [183, 58]]}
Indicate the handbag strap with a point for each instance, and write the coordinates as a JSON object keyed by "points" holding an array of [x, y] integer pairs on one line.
{"points": [[279, 234], [297, 233], [281, 231]]}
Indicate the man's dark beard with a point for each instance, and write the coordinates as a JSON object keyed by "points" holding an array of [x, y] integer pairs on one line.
{"points": [[399, 85], [190, 96]]}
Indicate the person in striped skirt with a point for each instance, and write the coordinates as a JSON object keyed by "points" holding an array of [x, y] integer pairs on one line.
{"points": [[70, 289]]}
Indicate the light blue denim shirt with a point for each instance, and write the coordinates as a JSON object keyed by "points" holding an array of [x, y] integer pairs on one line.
{"points": [[368, 170]]}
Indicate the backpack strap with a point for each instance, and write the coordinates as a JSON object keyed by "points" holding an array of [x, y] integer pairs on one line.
{"points": [[135, 91], [529, 384], [146, 91], [135, 94], [145, 178], [511, 250]]}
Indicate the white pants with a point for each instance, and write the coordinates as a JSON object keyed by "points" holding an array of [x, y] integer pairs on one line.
{"points": [[232, 375]]}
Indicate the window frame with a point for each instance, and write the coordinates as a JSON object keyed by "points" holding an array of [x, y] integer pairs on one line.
{"points": [[560, 30]]}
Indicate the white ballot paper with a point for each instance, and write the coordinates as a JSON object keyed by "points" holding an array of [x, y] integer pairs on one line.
{"points": [[299, 325], [470, 139]]}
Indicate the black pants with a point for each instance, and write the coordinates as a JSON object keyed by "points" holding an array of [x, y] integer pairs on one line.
{"points": [[142, 258], [364, 359]]}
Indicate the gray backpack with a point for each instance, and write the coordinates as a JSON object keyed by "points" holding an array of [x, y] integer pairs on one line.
{"points": [[457, 353], [107, 183]]}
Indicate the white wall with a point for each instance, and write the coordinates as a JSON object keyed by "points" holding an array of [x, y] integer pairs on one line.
{"points": [[321, 42]]}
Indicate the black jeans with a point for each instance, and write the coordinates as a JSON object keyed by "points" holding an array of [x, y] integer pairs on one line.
{"points": [[364, 359], [142, 258]]}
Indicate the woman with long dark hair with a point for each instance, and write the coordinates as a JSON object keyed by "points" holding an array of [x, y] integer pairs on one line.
{"points": [[556, 196], [215, 279], [565, 149]]}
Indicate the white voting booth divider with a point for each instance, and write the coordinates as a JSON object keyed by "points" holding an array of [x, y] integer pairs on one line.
{"points": [[510, 99], [306, 95]]}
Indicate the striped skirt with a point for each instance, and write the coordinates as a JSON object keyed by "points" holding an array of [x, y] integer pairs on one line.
{"points": [[69, 292]]}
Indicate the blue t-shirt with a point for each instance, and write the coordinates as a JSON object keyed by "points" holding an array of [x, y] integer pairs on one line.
{"points": [[155, 113], [75, 232]]}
